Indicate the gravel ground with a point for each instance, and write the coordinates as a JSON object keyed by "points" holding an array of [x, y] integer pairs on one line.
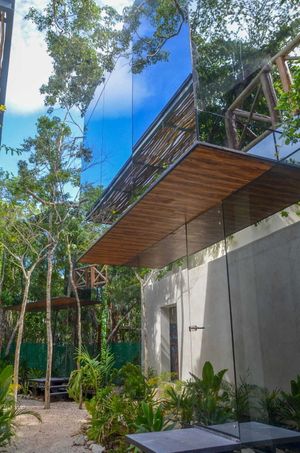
{"points": [[57, 432]]}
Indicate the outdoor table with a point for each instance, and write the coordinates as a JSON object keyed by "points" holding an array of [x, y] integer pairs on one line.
{"points": [[54, 380], [38, 384], [200, 439]]}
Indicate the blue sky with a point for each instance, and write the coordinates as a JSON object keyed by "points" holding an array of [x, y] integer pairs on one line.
{"points": [[124, 108], [29, 68], [112, 137]]}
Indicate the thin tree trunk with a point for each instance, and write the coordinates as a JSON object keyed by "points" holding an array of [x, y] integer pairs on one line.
{"points": [[49, 328], [2, 314], [20, 335], [118, 325], [79, 327], [12, 337]]}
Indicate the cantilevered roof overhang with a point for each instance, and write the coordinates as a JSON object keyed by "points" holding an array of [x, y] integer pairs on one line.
{"points": [[151, 232]]}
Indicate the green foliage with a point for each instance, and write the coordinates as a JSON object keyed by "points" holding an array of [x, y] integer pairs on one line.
{"points": [[271, 406], [211, 402], [291, 404], [83, 40], [179, 404], [289, 105], [92, 374], [8, 411], [243, 398], [134, 382], [112, 417], [150, 418]]}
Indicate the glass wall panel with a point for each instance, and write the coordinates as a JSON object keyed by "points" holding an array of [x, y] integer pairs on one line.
{"points": [[163, 98], [237, 75], [93, 140], [210, 330], [108, 124], [263, 250]]}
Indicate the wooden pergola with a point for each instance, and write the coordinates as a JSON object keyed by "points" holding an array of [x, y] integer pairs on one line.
{"points": [[57, 303], [85, 277], [151, 233]]}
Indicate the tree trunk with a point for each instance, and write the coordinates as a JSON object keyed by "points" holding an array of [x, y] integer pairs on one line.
{"points": [[12, 337], [2, 329], [49, 328], [79, 327], [2, 313], [115, 330], [20, 335], [144, 329]]}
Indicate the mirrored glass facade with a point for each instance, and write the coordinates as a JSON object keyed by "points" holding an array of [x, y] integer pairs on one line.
{"points": [[243, 61], [140, 110], [108, 126], [229, 293], [233, 282]]}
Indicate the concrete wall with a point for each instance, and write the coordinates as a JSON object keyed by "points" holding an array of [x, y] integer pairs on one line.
{"points": [[264, 292]]}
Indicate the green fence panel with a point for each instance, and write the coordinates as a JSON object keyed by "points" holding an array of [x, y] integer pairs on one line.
{"points": [[126, 352], [34, 355]]}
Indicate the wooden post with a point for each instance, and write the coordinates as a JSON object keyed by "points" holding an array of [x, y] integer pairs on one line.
{"points": [[284, 73], [231, 129], [270, 95], [93, 272]]}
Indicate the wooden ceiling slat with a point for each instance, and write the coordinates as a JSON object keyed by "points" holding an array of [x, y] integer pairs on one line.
{"points": [[201, 179]]}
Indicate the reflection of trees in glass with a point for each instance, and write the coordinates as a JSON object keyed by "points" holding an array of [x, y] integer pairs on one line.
{"points": [[231, 41], [151, 24]]}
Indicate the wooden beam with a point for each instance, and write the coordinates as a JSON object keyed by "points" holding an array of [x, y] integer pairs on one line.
{"points": [[284, 74], [255, 116], [231, 130], [270, 95]]}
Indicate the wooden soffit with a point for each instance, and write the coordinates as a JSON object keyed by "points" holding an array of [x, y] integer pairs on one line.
{"points": [[150, 233]]}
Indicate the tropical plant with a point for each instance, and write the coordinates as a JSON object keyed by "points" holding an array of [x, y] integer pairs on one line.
{"points": [[134, 382], [244, 397], [179, 404], [92, 374], [211, 401], [150, 418], [8, 409], [291, 404], [270, 406], [112, 417]]}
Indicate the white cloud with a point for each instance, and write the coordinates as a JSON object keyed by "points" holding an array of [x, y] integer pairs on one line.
{"points": [[30, 65], [117, 4]]}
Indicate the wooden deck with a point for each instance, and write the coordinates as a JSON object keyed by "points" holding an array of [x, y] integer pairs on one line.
{"points": [[57, 303]]}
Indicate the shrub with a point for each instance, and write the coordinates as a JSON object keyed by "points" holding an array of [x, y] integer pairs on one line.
{"points": [[8, 410], [134, 382], [112, 417], [93, 373], [150, 418]]}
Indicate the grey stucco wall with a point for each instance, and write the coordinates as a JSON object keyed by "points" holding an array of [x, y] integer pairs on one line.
{"points": [[264, 289]]}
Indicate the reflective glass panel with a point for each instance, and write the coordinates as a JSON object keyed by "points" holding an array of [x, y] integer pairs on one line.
{"points": [[163, 97], [237, 71], [108, 124], [263, 249], [213, 380]]}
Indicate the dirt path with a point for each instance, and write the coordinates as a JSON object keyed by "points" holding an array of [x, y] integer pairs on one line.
{"points": [[56, 434]]}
